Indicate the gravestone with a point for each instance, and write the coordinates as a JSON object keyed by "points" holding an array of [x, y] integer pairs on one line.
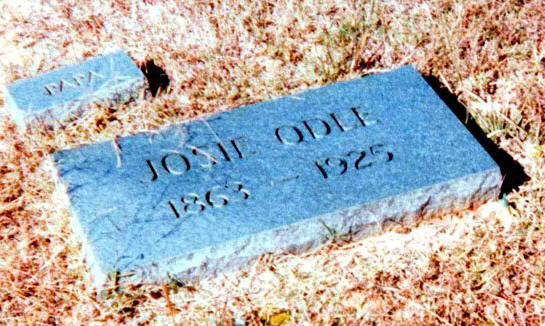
{"points": [[208, 196], [108, 79]]}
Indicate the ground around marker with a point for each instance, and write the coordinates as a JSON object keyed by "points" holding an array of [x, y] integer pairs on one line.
{"points": [[472, 266]]}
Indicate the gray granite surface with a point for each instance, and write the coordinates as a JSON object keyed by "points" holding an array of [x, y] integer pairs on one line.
{"points": [[109, 79], [208, 196]]}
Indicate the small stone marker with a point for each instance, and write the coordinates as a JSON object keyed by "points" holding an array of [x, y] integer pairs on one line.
{"points": [[54, 95], [207, 196]]}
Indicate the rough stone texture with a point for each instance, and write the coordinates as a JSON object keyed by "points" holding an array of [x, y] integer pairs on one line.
{"points": [[404, 154], [108, 79]]}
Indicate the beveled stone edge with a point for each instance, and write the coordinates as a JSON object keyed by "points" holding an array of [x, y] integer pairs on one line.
{"points": [[361, 221], [98, 274]]}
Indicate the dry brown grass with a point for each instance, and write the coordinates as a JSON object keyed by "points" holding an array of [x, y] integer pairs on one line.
{"points": [[484, 266]]}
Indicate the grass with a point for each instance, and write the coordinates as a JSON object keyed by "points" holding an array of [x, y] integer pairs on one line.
{"points": [[478, 266]]}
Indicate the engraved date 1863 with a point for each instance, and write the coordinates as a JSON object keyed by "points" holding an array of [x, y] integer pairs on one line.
{"points": [[217, 197]]}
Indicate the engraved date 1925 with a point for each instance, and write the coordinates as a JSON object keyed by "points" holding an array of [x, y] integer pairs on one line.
{"points": [[217, 197], [358, 159]]}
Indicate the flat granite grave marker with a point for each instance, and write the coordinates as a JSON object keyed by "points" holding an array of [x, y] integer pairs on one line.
{"points": [[208, 196], [54, 95]]}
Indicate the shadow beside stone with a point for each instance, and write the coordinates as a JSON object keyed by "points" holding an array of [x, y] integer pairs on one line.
{"points": [[512, 171], [157, 77]]}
